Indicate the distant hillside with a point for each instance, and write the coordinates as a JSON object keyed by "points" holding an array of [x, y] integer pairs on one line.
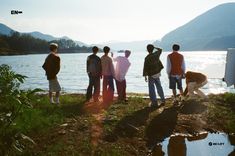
{"points": [[16, 43], [5, 30], [47, 37], [42, 36], [213, 30]]}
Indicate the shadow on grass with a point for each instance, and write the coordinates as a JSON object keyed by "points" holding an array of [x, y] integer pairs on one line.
{"points": [[71, 110], [128, 126], [70, 106], [192, 107], [161, 127]]}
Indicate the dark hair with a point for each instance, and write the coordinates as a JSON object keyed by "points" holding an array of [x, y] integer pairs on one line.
{"points": [[95, 49], [150, 47], [176, 47], [53, 46], [106, 49]]}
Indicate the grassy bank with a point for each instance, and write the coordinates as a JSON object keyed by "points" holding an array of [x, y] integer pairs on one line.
{"points": [[78, 128]]}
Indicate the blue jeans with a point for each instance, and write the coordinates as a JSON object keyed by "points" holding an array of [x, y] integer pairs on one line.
{"points": [[152, 82]]}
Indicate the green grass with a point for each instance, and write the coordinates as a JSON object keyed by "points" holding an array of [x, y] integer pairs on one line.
{"points": [[229, 98], [222, 111], [44, 115]]}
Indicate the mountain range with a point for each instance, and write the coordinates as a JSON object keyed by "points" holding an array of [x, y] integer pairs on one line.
{"points": [[5, 30], [212, 30]]}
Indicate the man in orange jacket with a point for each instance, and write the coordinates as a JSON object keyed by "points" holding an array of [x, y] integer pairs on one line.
{"points": [[175, 70], [194, 81]]}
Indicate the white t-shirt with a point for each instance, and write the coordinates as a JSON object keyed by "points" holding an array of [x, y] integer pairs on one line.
{"points": [[121, 67]]}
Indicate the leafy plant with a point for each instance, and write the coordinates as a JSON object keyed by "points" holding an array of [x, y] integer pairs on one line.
{"points": [[229, 98], [12, 102]]}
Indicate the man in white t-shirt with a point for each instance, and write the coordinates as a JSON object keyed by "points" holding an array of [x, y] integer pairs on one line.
{"points": [[121, 68]]}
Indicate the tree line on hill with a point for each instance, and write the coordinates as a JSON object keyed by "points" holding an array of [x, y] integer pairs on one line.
{"points": [[17, 43]]}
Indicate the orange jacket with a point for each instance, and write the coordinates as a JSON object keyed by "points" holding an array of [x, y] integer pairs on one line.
{"points": [[176, 60]]}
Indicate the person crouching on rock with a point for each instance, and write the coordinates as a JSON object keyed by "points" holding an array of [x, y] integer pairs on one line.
{"points": [[194, 81]]}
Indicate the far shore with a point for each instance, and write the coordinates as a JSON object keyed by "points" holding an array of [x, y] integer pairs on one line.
{"points": [[15, 53]]}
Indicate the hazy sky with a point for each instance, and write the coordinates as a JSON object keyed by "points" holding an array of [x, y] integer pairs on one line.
{"points": [[96, 21]]}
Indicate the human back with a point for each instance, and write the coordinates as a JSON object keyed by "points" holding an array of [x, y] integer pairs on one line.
{"points": [[176, 60], [94, 65], [153, 63], [121, 68], [107, 65]]}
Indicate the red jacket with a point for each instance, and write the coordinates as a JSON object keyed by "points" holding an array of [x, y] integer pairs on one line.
{"points": [[176, 60], [51, 66]]}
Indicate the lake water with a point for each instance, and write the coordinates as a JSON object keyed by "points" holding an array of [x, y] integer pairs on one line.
{"points": [[205, 144], [73, 77]]}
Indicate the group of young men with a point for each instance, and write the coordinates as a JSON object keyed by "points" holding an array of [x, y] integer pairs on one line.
{"points": [[175, 71], [103, 68]]}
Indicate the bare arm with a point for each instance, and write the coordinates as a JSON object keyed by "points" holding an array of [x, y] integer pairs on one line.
{"points": [[183, 66]]}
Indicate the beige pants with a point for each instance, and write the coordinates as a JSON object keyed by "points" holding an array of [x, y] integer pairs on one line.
{"points": [[193, 86], [54, 85]]}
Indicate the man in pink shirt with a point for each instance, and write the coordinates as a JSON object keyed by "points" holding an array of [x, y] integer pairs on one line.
{"points": [[107, 74], [121, 68]]}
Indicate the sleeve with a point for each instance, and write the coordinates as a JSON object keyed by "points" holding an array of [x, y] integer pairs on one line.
{"points": [[112, 68], [115, 59], [145, 68], [159, 52], [100, 67], [183, 66], [87, 64], [168, 66], [57, 65], [44, 65]]}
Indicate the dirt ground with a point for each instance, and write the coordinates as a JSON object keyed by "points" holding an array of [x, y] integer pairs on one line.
{"points": [[97, 132]]}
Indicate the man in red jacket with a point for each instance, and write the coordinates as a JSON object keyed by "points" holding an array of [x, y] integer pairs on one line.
{"points": [[175, 70], [52, 68]]}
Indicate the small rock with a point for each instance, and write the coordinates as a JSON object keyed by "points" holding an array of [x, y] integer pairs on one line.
{"points": [[62, 132], [71, 130], [64, 125]]}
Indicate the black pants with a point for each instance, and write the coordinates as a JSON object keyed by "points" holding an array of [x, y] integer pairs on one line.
{"points": [[94, 81]]}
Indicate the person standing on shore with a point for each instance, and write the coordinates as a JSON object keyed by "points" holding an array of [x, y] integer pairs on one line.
{"points": [[194, 81], [107, 74], [121, 68], [175, 70], [94, 73], [52, 68], [152, 72]]}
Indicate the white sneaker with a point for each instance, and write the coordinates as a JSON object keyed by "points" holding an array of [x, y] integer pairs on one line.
{"points": [[52, 101], [57, 101]]}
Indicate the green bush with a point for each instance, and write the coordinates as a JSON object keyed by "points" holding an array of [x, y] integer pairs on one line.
{"points": [[229, 98], [13, 101]]}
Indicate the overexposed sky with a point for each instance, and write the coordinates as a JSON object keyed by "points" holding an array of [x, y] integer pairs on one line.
{"points": [[97, 21]]}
